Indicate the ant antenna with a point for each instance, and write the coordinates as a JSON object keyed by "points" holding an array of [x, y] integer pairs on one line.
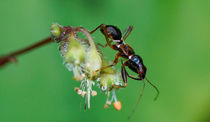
{"points": [[154, 88], [139, 98]]}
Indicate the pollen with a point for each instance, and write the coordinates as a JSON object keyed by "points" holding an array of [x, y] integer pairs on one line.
{"points": [[117, 105]]}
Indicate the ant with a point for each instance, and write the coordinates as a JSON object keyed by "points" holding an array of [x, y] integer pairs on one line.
{"points": [[134, 62]]}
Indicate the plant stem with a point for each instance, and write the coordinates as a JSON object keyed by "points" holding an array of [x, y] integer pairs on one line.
{"points": [[12, 56]]}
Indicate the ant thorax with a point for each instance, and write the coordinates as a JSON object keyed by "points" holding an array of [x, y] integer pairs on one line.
{"points": [[130, 56], [119, 43]]}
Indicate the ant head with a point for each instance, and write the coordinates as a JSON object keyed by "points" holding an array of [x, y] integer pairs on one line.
{"points": [[113, 32], [142, 71], [138, 62]]}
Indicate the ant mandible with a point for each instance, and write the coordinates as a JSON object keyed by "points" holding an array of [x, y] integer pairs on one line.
{"points": [[134, 61]]}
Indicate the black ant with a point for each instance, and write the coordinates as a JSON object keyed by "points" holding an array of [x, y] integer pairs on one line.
{"points": [[134, 61]]}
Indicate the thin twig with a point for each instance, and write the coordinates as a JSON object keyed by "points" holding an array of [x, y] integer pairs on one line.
{"points": [[12, 56]]}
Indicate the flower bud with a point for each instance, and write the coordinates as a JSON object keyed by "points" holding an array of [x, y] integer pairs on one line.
{"points": [[109, 77], [108, 80], [75, 53], [55, 31], [93, 62]]}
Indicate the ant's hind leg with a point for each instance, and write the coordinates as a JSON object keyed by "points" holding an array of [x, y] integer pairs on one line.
{"points": [[124, 77], [124, 73]]}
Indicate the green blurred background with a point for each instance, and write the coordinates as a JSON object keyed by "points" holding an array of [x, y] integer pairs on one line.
{"points": [[173, 37]]}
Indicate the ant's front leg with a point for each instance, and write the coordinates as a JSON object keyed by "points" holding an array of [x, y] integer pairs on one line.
{"points": [[99, 27], [103, 27], [99, 44]]}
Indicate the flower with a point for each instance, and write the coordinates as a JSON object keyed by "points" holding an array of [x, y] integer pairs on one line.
{"points": [[87, 62]]}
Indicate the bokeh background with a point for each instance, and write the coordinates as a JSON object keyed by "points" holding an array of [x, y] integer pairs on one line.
{"points": [[173, 37]]}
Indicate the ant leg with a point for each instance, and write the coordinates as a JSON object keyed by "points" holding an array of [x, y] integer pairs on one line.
{"points": [[100, 26], [131, 76], [106, 45], [114, 63], [124, 76], [116, 59], [107, 36], [124, 73], [99, 44], [129, 29]]}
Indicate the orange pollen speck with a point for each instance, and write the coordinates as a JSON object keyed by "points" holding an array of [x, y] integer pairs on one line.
{"points": [[106, 106], [117, 105]]}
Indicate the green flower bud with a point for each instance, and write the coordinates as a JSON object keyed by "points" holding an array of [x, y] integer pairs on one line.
{"points": [[93, 62], [108, 80], [75, 52], [55, 30], [109, 77]]}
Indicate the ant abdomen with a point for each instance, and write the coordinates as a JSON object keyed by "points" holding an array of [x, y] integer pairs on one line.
{"points": [[113, 31]]}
